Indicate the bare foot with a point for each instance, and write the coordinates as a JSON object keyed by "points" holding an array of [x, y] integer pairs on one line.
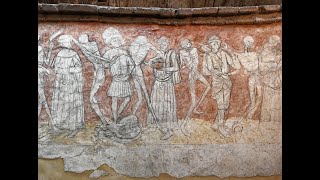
{"points": [[224, 131], [73, 134], [184, 130], [167, 135], [215, 126]]}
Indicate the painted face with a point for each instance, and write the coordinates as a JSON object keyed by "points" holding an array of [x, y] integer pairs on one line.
{"points": [[188, 45], [274, 41], [185, 44], [83, 38], [164, 46], [65, 44], [215, 45], [248, 43], [116, 42]]}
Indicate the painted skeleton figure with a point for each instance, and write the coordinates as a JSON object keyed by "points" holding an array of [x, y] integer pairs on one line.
{"points": [[189, 59], [92, 54], [249, 61], [139, 49], [43, 72]]}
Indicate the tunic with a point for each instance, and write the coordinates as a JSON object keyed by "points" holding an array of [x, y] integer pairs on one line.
{"points": [[120, 68], [215, 63]]}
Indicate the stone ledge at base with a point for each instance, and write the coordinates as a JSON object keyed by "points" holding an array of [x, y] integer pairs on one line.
{"points": [[222, 160]]}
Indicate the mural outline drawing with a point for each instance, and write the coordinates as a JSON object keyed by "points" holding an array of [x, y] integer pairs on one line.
{"points": [[270, 70], [189, 59], [120, 66], [43, 73], [163, 99], [138, 50], [217, 62], [91, 51], [250, 63], [67, 99]]}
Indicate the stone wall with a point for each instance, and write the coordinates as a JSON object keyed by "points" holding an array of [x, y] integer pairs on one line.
{"points": [[148, 93], [167, 3]]}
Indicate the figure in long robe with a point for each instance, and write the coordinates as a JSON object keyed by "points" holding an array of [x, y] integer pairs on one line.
{"points": [[270, 70], [163, 97], [67, 99]]}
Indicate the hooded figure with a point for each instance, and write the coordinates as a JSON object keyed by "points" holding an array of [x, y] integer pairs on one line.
{"points": [[67, 99]]}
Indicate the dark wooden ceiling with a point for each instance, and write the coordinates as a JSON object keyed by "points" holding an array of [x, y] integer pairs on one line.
{"points": [[169, 3]]}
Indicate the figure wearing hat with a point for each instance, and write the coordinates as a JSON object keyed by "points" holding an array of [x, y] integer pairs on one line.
{"points": [[217, 63], [67, 99], [120, 65], [189, 59]]}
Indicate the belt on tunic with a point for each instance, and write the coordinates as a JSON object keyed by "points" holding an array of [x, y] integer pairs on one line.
{"points": [[117, 78], [163, 80]]}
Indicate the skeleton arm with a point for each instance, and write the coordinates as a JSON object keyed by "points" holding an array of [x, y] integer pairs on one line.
{"points": [[43, 70], [234, 62], [89, 53]]}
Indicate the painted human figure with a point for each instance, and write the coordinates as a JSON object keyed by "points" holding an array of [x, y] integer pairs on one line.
{"points": [[92, 54], [121, 66], [163, 98], [139, 49], [217, 63], [67, 99], [43, 72], [270, 70], [250, 63], [189, 59]]}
